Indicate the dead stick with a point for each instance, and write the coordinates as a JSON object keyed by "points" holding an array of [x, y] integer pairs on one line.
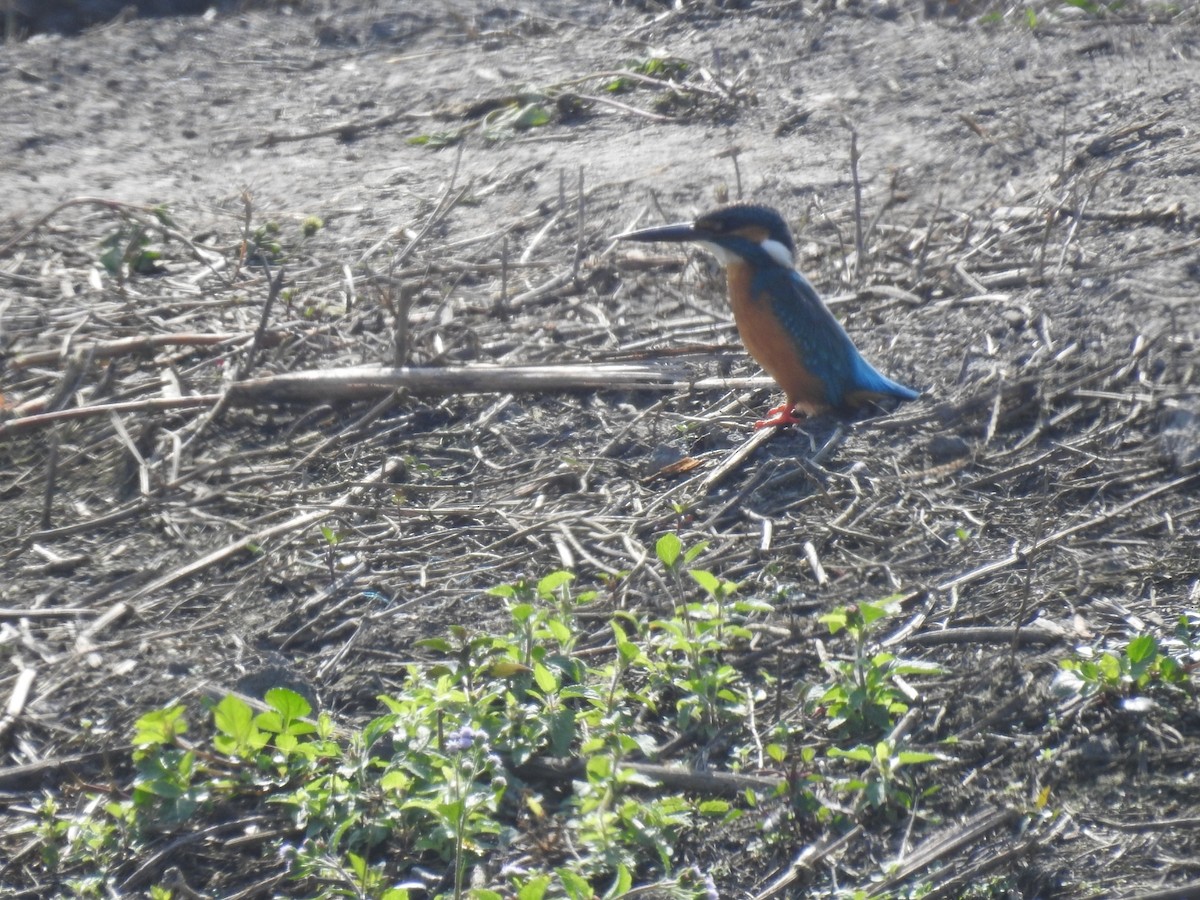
{"points": [[735, 459], [260, 334], [1002, 634], [860, 240], [440, 209], [807, 860], [75, 201], [372, 382], [954, 883], [814, 562], [123, 346], [274, 286], [16, 702], [114, 613], [945, 844], [625, 107], [343, 130], [35, 772], [71, 612], [579, 224], [205, 256], [51, 483], [673, 778]]}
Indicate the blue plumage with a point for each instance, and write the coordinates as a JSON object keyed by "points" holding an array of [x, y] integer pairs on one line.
{"points": [[823, 343]]}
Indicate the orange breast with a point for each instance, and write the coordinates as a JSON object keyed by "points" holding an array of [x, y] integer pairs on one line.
{"points": [[769, 343]]}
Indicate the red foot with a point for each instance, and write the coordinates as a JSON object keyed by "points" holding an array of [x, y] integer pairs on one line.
{"points": [[783, 414]]}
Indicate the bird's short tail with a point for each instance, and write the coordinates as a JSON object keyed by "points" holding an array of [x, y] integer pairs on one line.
{"points": [[868, 378]]}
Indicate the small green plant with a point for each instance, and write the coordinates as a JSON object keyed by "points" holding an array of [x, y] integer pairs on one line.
{"points": [[332, 538], [311, 225], [882, 783], [129, 249], [711, 692], [263, 244], [667, 68], [1131, 672], [864, 698], [502, 121]]}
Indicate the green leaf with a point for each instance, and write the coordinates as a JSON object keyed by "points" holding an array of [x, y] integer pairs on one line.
{"points": [[291, 704], [435, 643], [521, 612], [531, 116], [395, 780], [576, 886], [288, 707], [915, 667], [163, 213], [535, 888], [861, 753], [1141, 648], [436, 139], [233, 716], [706, 580], [235, 720], [286, 743], [912, 757], [1109, 668], [753, 604], [872, 612], [145, 262], [552, 582], [160, 727], [694, 551], [714, 807], [111, 260], [668, 549], [835, 621], [621, 883], [599, 768], [1171, 671], [546, 680], [561, 632]]}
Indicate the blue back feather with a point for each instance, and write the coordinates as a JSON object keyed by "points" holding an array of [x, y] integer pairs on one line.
{"points": [[826, 348]]}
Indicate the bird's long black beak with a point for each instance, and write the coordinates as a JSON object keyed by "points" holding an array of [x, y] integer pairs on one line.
{"points": [[682, 231]]}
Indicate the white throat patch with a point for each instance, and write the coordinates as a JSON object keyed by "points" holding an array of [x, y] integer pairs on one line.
{"points": [[780, 253], [724, 257]]}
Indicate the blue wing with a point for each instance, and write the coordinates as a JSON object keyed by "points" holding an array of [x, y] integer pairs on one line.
{"points": [[824, 345]]}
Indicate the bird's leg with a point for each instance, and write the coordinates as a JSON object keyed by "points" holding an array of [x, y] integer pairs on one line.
{"points": [[783, 414]]}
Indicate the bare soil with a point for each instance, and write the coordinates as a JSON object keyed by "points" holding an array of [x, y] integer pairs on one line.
{"points": [[1025, 251]]}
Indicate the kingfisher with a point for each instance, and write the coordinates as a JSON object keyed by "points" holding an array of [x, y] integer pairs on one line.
{"points": [[780, 316]]}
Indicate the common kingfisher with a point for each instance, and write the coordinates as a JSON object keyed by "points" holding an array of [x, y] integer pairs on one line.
{"points": [[783, 322]]}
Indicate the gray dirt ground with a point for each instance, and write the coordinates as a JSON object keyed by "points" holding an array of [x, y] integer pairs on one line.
{"points": [[1032, 258]]}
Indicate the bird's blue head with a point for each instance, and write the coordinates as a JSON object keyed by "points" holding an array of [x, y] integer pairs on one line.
{"points": [[754, 234]]}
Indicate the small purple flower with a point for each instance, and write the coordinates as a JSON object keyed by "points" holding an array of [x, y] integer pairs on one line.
{"points": [[464, 739]]}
